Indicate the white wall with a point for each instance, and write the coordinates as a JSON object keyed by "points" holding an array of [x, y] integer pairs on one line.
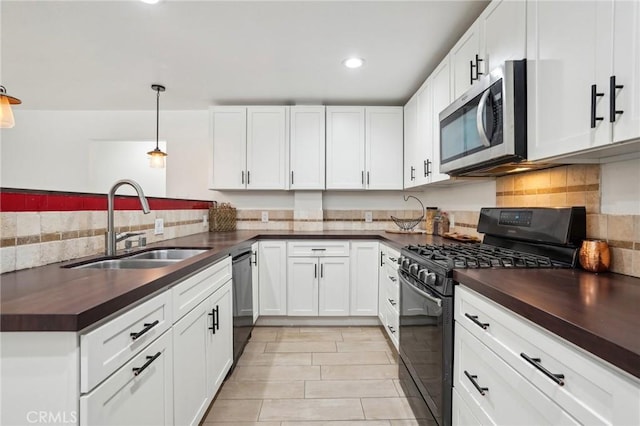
{"points": [[49, 150], [620, 187]]}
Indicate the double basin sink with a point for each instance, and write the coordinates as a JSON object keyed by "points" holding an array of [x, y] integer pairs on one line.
{"points": [[154, 258]]}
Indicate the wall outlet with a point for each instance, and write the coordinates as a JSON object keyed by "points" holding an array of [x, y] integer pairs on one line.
{"points": [[368, 217], [265, 216], [158, 227], [205, 220]]}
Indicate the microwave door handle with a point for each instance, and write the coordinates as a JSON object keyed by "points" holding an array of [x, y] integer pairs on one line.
{"points": [[479, 119]]}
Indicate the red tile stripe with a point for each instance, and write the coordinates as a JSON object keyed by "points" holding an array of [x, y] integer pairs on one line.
{"points": [[16, 200]]}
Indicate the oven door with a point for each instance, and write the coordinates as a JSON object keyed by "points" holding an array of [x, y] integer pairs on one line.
{"points": [[426, 345]]}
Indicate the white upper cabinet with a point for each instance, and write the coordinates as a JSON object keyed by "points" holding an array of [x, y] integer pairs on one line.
{"points": [[626, 70], [410, 141], [441, 94], [250, 147], [307, 146], [383, 147], [364, 153], [466, 61], [345, 147], [229, 126], [422, 147], [503, 35], [267, 137]]}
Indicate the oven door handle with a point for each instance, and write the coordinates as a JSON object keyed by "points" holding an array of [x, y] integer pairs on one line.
{"points": [[484, 139], [435, 300]]}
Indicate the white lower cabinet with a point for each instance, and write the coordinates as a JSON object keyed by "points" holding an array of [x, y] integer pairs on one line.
{"points": [[139, 393], [364, 278], [389, 293], [272, 277], [546, 378], [333, 288], [220, 342], [255, 281]]}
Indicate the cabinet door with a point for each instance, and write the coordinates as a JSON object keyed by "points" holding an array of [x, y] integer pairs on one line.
{"points": [[383, 136], [302, 286], [626, 68], [424, 150], [255, 281], [410, 141], [565, 45], [364, 278], [229, 126], [441, 98], [461, 414], [462, 55], [129, 399], [267, 147], [333, 287], [503, 29], [345, 148], [272, 271], [190, 346], [307, 147], [220, 342]]}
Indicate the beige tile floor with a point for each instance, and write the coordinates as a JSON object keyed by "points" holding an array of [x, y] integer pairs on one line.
{"points": [[315, 376]]}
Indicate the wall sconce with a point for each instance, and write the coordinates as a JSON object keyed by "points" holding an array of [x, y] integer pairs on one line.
{"points": [[157, 157], [6, 115]]}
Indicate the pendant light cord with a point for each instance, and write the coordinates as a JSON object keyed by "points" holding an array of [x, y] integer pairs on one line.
{"points": [[157, 116]]}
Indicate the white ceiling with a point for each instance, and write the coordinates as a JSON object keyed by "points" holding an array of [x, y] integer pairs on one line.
{"points": [[104, 55]]}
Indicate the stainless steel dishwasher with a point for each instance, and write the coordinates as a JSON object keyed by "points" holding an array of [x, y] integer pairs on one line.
{"points": [[242, 300]]}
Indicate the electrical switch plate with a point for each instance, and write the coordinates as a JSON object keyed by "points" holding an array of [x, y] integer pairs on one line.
{"points": [[265, 216], [368, 217], [159, 226]]}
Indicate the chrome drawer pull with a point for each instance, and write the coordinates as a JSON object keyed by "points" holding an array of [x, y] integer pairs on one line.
{"points": [[474, 318], [150, 359], [477, 386], [147, 327], [558, 378]]}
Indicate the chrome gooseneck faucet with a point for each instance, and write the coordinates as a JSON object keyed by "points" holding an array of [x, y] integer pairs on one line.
{"points": [[110, 237]]}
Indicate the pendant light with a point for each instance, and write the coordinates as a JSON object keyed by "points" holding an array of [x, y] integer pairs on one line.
{"points": [[6, 115], [156, 156]]}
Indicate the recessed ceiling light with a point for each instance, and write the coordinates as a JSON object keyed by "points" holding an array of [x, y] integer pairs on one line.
{"points": [[150, 1], [353, 62]]}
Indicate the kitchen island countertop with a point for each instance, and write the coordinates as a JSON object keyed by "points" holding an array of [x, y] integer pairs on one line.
{"points": [[597, 312]]}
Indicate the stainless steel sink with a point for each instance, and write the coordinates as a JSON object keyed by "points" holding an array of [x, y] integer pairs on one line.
{"points": [[168, 254], [127, 263]]}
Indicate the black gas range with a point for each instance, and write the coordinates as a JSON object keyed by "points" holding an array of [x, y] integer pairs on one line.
{"points": [[513, 238]]}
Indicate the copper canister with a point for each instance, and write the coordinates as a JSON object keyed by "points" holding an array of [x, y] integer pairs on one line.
{"points": [[595, 255]]}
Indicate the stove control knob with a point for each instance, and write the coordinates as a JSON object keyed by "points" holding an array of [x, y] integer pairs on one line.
{"points": [[405, 263], [413, 269], [430, 278], [422, 274]]}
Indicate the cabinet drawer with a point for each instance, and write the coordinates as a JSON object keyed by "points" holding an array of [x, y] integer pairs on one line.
{"points": [[391, 323], [318, 248], [462, 415], [591, 392], [391, 256], [129, 399], [391, 293], [495, 392], [193, 290], [105, 349]]}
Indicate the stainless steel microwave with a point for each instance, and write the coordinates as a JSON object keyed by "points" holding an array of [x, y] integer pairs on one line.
{"points": [[484, 132]]}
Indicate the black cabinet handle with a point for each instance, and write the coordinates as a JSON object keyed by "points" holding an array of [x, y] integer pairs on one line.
{"points": [[321, 270], [381, 258], [147, 327], [393, 259], [594, 96], [291, 177], [367, 178], [255, 257], [613, 87], [362, 177], [215, 322], [413, 171], [318, 249], [248, 177], [392, 302], [315, 271], [391, 329], [243, 177], [150, 359], [477, 386], [393, 279], [474, 318], [428, 168], [471, 72], [558, 378], [478, 73]]}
